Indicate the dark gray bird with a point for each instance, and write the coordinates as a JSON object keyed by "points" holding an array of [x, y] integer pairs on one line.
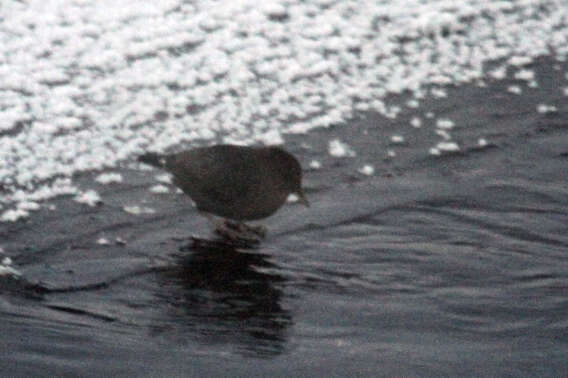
{"points": [[234, 182]]}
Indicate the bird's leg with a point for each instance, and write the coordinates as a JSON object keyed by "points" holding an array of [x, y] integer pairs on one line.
{"points": [[258, 230], [233, 231]]}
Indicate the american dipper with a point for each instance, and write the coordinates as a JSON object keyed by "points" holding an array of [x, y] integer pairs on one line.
{"points": [[234, 182]]}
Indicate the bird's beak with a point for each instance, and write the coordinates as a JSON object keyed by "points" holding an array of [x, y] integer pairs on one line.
{"points": [[302, 199]]}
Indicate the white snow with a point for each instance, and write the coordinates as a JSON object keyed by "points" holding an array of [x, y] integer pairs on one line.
{"points": [[159, 189], [28, 206], [367, 170], [515, 89], [338, 148], [499, 73], [5, 270], [103, 241], [86, 85], [544, 109], [107, 178], [6, 266], [526, 75], [397, 139], [88, 197], [434, 151], [445, 124], [443, 133], [137, 210], [292, 198], [519, 60], [314, 164], [448, 146], [413, 103], [439, 92], [416, 122], [164, 178], [13, 215]]}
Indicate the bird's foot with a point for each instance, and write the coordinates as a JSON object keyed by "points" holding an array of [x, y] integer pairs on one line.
{"points": [[241, 232], [259, 230]]}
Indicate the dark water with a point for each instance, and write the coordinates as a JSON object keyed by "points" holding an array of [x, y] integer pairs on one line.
{"points": [[454, 265]]}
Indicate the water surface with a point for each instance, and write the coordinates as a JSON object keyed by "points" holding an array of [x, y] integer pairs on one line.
{"points": [[433, 266]]}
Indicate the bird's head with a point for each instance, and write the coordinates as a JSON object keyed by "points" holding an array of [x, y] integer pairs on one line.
{"points": [[291, 172]]}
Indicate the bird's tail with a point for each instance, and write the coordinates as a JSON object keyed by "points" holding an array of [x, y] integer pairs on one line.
{"points": [[152, 159]]}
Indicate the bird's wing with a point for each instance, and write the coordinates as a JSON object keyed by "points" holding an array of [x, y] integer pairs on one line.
{"points": [[210, 176]]}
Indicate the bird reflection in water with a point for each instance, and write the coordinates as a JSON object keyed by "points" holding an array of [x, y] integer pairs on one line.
{"points": [[218, 294]]}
